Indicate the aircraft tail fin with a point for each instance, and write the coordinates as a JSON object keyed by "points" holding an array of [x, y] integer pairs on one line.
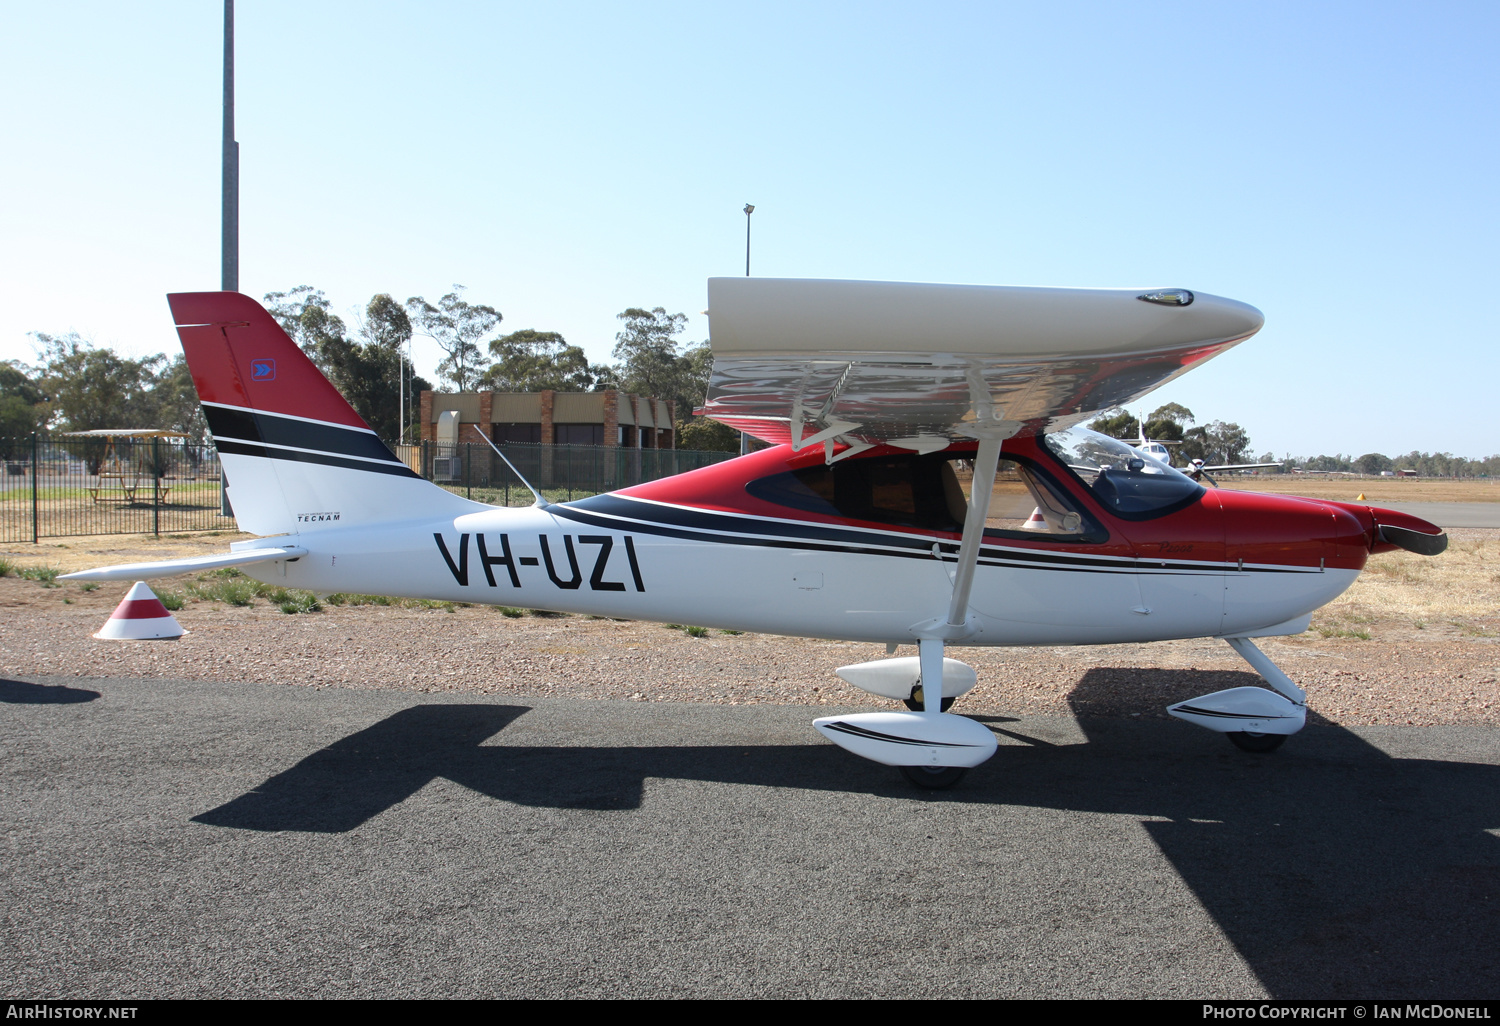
{"points": [[296, 455]]}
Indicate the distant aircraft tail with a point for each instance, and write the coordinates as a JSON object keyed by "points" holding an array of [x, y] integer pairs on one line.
{"points": [[296, 455]]}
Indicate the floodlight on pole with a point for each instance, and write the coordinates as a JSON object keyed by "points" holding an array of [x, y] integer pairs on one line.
{"points": [[749, 209]]}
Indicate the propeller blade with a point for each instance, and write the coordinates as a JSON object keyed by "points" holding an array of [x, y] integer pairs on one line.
{"points": [[1413, 541]]}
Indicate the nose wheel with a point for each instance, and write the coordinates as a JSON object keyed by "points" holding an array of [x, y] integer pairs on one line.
{"points": [[1246, 741], [934, 778], [915, 701]]}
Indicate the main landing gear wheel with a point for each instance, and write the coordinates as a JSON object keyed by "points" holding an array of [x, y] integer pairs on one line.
{"points": [[915, 702], [934, 778], [1245, 741]]}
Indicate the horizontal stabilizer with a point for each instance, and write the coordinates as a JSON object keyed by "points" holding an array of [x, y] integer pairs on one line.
{"points": [[173, 567]]}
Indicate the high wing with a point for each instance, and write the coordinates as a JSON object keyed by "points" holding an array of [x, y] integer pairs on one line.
{"points": [[863, 363]]}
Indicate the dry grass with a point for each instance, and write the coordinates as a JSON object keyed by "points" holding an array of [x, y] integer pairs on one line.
{"points": [[88, 551], [1375, 489], [1459, 589]]}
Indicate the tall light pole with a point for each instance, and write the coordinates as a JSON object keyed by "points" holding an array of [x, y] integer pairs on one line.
{"points": [[749, 209], [229, 277]]}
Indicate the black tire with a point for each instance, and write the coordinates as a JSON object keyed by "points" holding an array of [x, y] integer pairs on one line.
{"points": [[1257, 743], [935, 778], [914, 703]]}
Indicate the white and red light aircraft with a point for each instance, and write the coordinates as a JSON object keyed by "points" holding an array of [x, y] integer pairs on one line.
{"points": [[1196, 469], [884, 398]]}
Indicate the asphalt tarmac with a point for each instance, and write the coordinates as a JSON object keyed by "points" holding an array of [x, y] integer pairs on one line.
{"points": [[1450, 514], [168, 839]]}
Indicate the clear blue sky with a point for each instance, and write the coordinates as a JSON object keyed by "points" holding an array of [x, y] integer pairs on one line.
{"points": [[1333, 164]]}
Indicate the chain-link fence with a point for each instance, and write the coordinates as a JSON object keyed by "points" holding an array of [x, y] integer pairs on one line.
{"points": [[57, 486]]}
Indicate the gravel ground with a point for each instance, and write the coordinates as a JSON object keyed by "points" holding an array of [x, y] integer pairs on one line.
{"points": [[1400, 675]]}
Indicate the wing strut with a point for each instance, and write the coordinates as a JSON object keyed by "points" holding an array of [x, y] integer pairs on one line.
{"points": [[934, 634], [986, 466]]}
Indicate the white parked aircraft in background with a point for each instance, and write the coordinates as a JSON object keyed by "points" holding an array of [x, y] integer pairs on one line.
{"points": [[1196, 468]]}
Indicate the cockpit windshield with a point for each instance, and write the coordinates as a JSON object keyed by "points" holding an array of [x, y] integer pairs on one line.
{"points": [[1125, 482]]}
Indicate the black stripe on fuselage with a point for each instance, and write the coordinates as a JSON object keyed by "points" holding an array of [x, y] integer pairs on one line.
{"points": [[624, 513], [729, 523], [665, 531], [229, 423], [397, 469], [713, 526]]}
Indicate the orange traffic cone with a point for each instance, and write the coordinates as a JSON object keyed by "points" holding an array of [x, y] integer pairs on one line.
{"points": [[140, 616]]}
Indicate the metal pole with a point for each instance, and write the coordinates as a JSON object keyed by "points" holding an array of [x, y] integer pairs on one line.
{"points": [[749, 209], [230, 256], [36, 467], [156, 486]]}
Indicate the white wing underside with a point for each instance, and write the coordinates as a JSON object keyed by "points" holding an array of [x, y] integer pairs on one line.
{"points": [[865, 363]]}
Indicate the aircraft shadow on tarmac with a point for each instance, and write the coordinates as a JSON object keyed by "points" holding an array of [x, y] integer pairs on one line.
{"points": [[20, 692], [1335, 869]]}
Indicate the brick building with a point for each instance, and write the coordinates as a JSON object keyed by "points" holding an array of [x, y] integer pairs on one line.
{"points": [[555, 418]]}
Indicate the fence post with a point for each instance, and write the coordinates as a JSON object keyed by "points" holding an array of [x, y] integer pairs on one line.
{"points": [[468, 461], [35, 467], [156, 486]]}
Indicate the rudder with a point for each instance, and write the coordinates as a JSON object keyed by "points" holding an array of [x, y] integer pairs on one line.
{"points": [[296, 455]]}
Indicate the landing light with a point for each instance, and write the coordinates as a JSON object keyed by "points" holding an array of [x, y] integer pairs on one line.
{"points": [[1168, 297]]}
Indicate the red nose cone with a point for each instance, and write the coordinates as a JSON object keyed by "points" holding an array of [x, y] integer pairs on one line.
{"points": [[1285, 530], [1391, 530]]}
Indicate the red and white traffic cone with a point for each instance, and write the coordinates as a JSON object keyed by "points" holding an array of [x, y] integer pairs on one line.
{"points": [[1036, 522], [140, 616]]}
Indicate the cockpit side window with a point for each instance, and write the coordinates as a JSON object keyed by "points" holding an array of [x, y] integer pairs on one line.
{"points": [[1129, 484], [929, 492], [905, 490]]}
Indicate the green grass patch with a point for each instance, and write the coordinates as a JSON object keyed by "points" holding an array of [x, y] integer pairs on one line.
{"points": [[299, 602], [171, 599], [349, 599], [511, 611], [7, 568], [696, 632], [1340, 632], [46, 575], [89, 586]]}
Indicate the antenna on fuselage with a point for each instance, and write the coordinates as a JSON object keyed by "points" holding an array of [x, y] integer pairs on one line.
{"points": [[541, 500]]}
